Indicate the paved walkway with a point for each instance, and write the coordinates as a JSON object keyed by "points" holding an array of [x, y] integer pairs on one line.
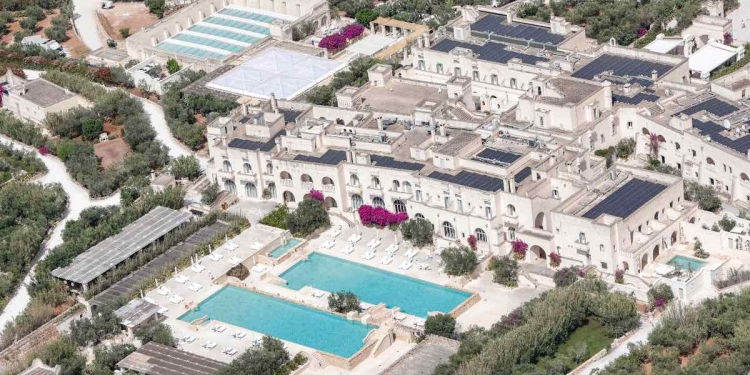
{"points": [[738, 16], [85, 20], [78, 200], [640, 336]]}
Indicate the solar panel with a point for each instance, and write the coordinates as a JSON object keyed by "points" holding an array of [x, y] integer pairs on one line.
{"points": [[470, 179], [114, 250], [158, 359], [713, 106], [490, 51], [635, 99], [290, 115], [627, 199], [620, 66], [389, 162], [522, 175], [498, 25], [494, 156], [713, 130], [248, 144], [331, 157]]}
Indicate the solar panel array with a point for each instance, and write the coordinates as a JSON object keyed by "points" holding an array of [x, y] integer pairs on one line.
{"points": [[470, 179], [389, 162], [635, 99], [158, 359], [494, 156], [331, 157], [627, 199], [128, 285], [116, 249], [290, 115], [714, 106], [498, 25], [490, 51], [522, 175], [620, 66], [712, 129], [248, 144]]}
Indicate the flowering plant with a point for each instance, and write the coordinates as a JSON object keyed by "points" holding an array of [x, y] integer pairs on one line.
{"points": [[317, 195], [352, 31], [554, 260], [620, 276], [379, 216], [519, 249], [333, 42], [472, 240]]}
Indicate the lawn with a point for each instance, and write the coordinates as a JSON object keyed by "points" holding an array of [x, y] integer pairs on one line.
{"points": [[591, 334]]}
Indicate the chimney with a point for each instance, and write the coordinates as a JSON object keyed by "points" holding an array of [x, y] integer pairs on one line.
{"points": [[442, 129], [244, 109], [612, 174], [626, 88], [654, 75], [426, 40], [274, 103], [380, 124]]}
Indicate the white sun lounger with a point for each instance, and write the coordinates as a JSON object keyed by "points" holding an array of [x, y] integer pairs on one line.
{"points": [[163, 290], [328, 245], [182, 279], [259, 268], [239, 335], [230, 351], [162, 310], [195, 286], [386, 259], [348, 249], [188, 338], [318, 293], [369, 255], [234, 260], [215, 256], [336, 232], [231, 246], [197, 267], [411, 253], [355, 237], [419, 323], [150, 300], [176, 299], [392, 248], [209, 345], [424, 266], [405, 265], [219, 328], [375, 242]]}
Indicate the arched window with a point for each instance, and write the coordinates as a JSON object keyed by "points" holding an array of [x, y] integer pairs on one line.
{"points": [[396, 185], [327, 181], [250, 190], [286, 176], [305, 178], [272, 190], [375, 182], [353, 180], [645, 131], [269, 168], [419, 217], [448, 230], [357, 201], [407, 186], [227, 166], [399, 205], [710, 161], [661, 138], [480, 235], [743, 176], [512, 234], [247, 168], [230, 186], [510, 210], [378, 202]]}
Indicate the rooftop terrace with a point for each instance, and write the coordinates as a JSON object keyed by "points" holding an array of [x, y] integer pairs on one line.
{"points": [[490, 51]]}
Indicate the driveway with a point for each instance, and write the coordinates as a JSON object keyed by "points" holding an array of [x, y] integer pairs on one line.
{"points": [[85, 20], [640, 336]]}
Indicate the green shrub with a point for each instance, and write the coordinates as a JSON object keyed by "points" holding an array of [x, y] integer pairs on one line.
{"points": [[441, 325], [459, 260], [125, 32], [28, 23], [698, 250], [173, 66], [276, 218], [157, 332], [308, 217], [418, 232], [186, 166], [565, 276], [660, 295], [344, 302], [706, 196], [209, 195], [239, 271], [505, 271]]}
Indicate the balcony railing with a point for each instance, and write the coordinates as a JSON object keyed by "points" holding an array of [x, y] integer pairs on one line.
{"points": [[329, 188], [227, 175], [307, 185], [286, 182]]}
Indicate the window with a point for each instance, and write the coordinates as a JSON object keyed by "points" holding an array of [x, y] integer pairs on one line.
{"points": [[269, 168], [513, 83], [448, 230], [604, 265], [446, 201], [582, 237], [421, 65], [539, 90], [480, 235], [227, 166], [694, 153], [493, 79], [357, 201], [378, 202], [457, 71], [475, 75], [512, 234], [743, 93], [407, 186], [419, 217], [399, 205], [247, 168], [375, 183], [459, 205], [440, 68], [541, 121], [630, 124], [419, 195], [511, 210], [353, 180], [614, 129], [555, 194], [396, 185], [488, 212], [250, 190], [676, 146], [601, 248]]}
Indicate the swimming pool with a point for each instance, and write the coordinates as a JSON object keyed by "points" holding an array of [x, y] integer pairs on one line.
{"points": [[685, 263], [282, 319], [373, 285], [282, 249]]}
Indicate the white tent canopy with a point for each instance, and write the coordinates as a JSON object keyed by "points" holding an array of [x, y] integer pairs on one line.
{"points": [[279, 71]]}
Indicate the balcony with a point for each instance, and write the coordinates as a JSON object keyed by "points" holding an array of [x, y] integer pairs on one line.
{"points": [[250, 176], [510, 218], [329, 188], [582, 247], [377, 188], [400, 193], [354, 188], [286, 182], [307, 185], [225, 175]]}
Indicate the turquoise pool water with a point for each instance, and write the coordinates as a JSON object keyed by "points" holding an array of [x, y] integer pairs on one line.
{"points": [[281, 250], [238, 25], [203, 29], [373, 285], [172, 47], [208, 42], [684, 262], [284, 320]]}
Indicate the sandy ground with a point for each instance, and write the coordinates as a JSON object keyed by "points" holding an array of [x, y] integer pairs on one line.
{"points": [[85, 21], [738, 16], [78, 200], [73, 46], [133, 16]]}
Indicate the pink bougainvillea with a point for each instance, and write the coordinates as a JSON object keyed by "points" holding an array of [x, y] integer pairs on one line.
{"points": [[642, 31], [519, 249], [620, 276], [333, 42], [44, 150], [317, 195], [472, 240], [554, 260], [379, 216], [352, 31]]}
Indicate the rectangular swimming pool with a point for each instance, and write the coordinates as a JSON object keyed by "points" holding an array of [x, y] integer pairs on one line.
{"points": [[686, 263], [282, 319], [373, 285], [282, 249]]}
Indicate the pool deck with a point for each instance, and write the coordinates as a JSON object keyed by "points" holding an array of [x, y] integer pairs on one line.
{"points": [[494, 301]]}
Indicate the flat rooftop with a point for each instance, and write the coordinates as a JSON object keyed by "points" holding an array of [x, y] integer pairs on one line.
{"points": [[496, 157], [389, 162], [714, 106], [278, 71], [241, 141], [158, 359], [490, 51], [631, 69], [136, 312], [399, 97], [569, 91], [627, 199], [330, 157], [425, 357], [45, 93], [470, 179], [116, 249], [498, 24]]}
